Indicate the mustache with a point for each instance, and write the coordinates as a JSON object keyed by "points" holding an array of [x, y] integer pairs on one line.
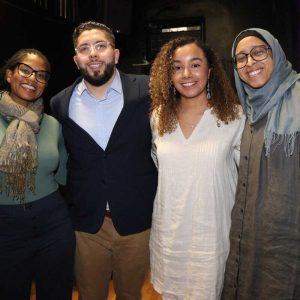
{"points": [[98, 79]]}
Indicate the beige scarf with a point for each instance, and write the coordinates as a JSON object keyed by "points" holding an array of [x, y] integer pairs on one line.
{"points": [[18, 150]]}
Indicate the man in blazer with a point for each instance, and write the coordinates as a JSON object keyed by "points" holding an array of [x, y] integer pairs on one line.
{"points": [[111, 180]]}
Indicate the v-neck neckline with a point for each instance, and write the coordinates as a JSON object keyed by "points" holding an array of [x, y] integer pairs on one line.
{"points": [[187, 139]]}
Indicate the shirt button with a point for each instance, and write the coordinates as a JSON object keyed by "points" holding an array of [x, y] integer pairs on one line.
{"points": [[244, 184], [246, 157], [242, 210]]}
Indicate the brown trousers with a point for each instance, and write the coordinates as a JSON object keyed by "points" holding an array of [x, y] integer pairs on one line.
{"points": [[106, 253]]}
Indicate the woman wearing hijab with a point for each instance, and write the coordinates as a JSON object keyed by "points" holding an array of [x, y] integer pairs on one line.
{"points": [[264, 258], [37, 241]]}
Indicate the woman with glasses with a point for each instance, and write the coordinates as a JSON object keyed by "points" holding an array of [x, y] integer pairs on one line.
{"points": [[36, 238], [264, 259]]}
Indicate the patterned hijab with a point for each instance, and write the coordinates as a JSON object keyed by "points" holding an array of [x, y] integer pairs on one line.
{"points": [[278, 99]]}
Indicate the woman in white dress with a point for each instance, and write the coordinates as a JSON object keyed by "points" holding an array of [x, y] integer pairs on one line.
{"points": [[197, 126]]}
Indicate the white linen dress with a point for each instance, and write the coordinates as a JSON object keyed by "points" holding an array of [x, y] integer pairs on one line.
{"points": [[197, 180]]}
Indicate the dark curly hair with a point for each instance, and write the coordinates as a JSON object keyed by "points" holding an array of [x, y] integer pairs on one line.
{"points": [[90, 25], [224, 100], [12, 63]]}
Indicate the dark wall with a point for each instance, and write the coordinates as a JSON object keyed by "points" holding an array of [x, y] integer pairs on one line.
{"points": [[224, 19], [27, 26], [30, 27]]}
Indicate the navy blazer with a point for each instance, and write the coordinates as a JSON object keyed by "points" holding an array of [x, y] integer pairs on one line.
{"points": [[123, 174]]}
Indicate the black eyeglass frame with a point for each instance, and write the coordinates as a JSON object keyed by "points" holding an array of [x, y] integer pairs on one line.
{"points": [[233, 59], [35, 72]]}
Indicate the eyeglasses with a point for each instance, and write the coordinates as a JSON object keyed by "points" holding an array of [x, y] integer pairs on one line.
{"points": [[26, 71], [257, 53], [86, 49]]}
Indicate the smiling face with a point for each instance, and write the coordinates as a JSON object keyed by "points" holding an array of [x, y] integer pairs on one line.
{"points": [[190, 72], [96, 67], [25, 90], [256, 73]]}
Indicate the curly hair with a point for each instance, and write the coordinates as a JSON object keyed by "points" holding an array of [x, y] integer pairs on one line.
{"points": [[164, 102], [12, 63]]}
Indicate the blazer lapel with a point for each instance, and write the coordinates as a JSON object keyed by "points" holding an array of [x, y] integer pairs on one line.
{"points": [[77, 133], [65, 100], [131, 97], [73, 127]]}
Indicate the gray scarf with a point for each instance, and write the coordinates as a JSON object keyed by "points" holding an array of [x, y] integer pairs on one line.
{"points": [[278, 99], [18, 150]]}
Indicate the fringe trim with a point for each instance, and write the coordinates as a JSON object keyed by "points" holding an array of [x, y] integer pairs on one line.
{"points": [[18, 171], [272, 140]]}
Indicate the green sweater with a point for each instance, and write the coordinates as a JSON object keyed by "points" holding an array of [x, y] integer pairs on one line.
{"points": [[52, 159]]}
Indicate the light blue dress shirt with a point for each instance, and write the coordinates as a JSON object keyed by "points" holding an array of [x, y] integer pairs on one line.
{"points": [[97, 116]]}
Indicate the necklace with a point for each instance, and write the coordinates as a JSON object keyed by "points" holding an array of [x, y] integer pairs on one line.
{"points": [[190, 120], [191, 125]]}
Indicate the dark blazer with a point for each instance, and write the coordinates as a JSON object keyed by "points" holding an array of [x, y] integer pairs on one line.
{"points": [[123, 175]]}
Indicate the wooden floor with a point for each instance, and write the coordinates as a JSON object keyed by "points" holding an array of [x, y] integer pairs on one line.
{"points": [[148, 293]]}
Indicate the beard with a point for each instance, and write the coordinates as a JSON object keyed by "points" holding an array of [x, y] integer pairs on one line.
{"points": [[98, 79]]}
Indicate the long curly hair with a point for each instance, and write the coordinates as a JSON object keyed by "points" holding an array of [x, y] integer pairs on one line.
{"points": [[164, 98]]}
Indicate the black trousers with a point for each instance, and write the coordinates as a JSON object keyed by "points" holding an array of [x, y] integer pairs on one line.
{"points": [[36, 242]]}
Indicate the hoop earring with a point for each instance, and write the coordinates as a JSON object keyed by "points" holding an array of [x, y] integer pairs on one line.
{"points": [[208, 91]]}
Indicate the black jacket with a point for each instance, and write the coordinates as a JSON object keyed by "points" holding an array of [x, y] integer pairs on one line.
{"points": [[123, 175]]}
